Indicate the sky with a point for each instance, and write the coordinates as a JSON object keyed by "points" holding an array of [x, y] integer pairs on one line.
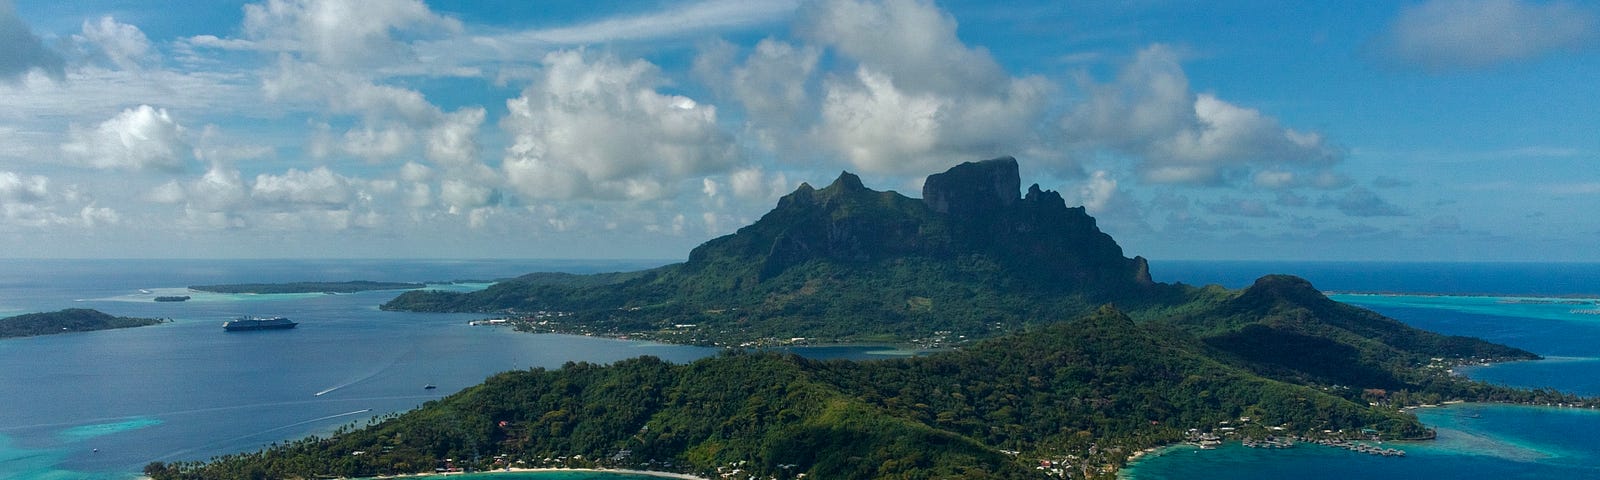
{"points": [[1434, 130]]}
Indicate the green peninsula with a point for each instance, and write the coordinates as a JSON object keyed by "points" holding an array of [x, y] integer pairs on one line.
{"points": [[306, 287], [1060, 352], [66, 321]]}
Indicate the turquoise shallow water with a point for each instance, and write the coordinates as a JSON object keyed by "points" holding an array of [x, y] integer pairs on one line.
{"points": [[1570, 341], [186, 390], [550, 476], [1475, 442], [100, 405]]}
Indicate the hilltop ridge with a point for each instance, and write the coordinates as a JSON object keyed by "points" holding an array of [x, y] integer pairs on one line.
{"points": [[973, 258], [974, 208]]}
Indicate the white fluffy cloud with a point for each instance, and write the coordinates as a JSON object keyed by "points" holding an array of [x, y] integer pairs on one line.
{"points": [[296, 200], [15, 188], [319, 187], [1455, 34], [31, 201], [599, 129], [919, 98], [754, 184], [24, 51], [121, 44], [377, 144], [139, 138], [462, 196], [221, 189], [453, 141], [1097, 193], [770, 84], [1177, 136], [912, 41], [344, 92], [335, 32], [394, 121]]}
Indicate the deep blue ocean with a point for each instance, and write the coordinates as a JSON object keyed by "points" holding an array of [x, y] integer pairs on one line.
{"points": [[100, 405]]}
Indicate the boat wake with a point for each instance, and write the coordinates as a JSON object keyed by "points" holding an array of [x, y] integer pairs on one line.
{"points": [[362, 377]]}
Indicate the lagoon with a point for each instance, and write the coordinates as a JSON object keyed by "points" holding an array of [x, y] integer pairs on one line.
{"points": [[187, 391], [1475, 441]]}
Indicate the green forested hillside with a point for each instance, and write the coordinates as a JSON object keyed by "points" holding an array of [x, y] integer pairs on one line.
{"points": [[846, 263], [64, 321], [1283, 327], [1088, 391]]}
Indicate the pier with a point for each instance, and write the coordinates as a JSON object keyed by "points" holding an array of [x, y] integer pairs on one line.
{"points": [[1362, 448]]}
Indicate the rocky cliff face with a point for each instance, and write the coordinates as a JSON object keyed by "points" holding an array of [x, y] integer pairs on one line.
{"points": [[973, 188], [1036, 233], [972, 208]]}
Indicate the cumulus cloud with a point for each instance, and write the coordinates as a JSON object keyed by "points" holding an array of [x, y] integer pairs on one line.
{"points": [[24, 200], [92, 215], [453, 141], [912, 41], [918, 98], [139, 138], [169, 193], [295, 200], [709, 187], [319, 187], [1467, 34], [15, 188], [376, 144], [1108, 199], [752, 183], [24, 51], [333, 32], [1180, 137], [599, 129], [415, 172], [121, 44], [394, 121], [1096, 194], [31, 201], [221, 189], [462, 196], [345, 92], [772, 84]]}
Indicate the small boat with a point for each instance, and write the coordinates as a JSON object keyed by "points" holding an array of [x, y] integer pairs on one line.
{"points": [[428, 387]]}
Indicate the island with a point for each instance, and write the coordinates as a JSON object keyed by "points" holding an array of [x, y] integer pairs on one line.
{"points": [[66, 321], [1060, 357], [306, 287]]}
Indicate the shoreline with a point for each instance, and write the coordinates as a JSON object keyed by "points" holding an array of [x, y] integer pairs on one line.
{"points": [[624, 471], [1163, 450], [1552, 298]]}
